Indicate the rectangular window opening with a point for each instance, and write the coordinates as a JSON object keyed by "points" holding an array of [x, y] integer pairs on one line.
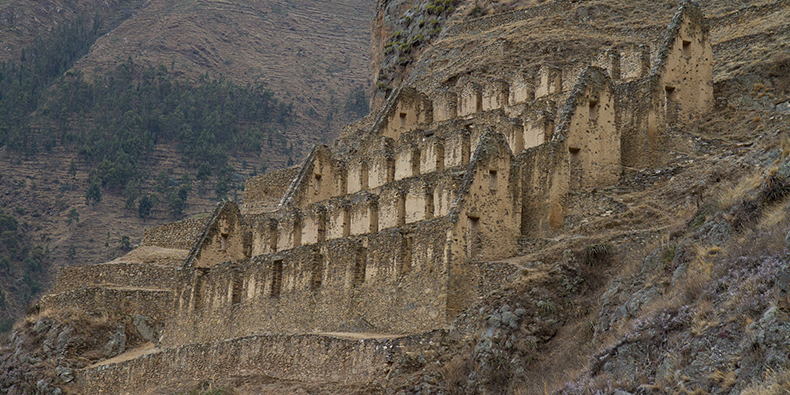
{"points": [[686, 49], [671, 93], [277, 278], [474, 236], [594, 110], [402, 117], [197, 294], [361, 266], [317, 182], [318, 272], [415, 163], [363, 176], [406, 252], [236, 290], [492, 180]]}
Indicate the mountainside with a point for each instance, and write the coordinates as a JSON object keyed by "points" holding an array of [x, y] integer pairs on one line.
{"points": [[81, 147]]}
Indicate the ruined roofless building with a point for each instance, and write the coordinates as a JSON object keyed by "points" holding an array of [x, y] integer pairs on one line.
{"points": [[393, 228], [388, 230]]}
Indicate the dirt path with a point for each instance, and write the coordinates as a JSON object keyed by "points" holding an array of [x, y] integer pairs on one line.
{"points": [[145, 349]]}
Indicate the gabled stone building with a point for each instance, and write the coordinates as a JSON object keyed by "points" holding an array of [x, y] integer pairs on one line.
{"points": [[384, 230]]}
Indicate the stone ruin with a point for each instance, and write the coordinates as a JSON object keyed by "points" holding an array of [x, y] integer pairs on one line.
{"points": [[394, 229]]}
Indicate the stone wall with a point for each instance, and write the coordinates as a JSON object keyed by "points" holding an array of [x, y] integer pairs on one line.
{"points": [[115, 273], [336, 285], [153, 302], [305, 358], [179, 235], [263, 192]]}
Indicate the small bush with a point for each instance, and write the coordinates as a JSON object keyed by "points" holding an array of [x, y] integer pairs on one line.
{"points": [[597, 254]]}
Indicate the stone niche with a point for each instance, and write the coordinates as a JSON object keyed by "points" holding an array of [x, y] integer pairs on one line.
{"points": [[338, 219], [608, 60], [314, 224], [358, 175], [634, 62], [419, 201], [264, 239], [381, 164], [538, 129]]}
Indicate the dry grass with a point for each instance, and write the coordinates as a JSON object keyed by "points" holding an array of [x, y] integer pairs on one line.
{"points": [[774, 383], [454, 373]]}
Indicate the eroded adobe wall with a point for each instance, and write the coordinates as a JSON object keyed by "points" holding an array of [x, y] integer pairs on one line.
{"points": [[591, 133], [304, 358], [408, 109], [685, 67], [488, 214], [118, 274], [224, 239], [545, 177], [179, 235]]}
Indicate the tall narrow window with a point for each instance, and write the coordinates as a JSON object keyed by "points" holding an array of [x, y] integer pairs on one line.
{"points": [[492, 180], [277, 278], [346, 213], [223, 242], [317, 182], [296, 235], [474, 236], [374, 218], [415, 162], [401, 205], [686, 49], [321, 226], [406, 252], [672, 103], [197, 292], [237, 288], [273, 236], [360, 266], [594, 111], [363, 176], [402, 117], [318, 272]]}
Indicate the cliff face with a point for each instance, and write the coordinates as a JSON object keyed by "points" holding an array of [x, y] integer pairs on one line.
{"points": [[400, 32]]}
